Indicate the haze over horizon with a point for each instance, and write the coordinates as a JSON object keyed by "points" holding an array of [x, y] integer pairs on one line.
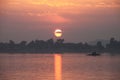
{"points": [[80, 20]]}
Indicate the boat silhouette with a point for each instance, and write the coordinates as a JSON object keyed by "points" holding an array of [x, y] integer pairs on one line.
{"points": [[93, 54]]}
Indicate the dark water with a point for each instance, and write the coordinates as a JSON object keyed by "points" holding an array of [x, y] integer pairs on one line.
{"points": [[59, 67]]}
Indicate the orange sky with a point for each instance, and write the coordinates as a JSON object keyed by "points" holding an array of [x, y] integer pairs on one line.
{"points": [[72, 14], [52, 10]]}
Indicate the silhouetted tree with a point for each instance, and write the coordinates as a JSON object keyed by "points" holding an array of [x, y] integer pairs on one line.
{"points": [[22, 46], [11, 46], [99, 46], [50, 43], [113, 46], [58, 45]]}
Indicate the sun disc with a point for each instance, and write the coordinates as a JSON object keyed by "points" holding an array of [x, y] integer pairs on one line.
{"points": [[58, 33]]}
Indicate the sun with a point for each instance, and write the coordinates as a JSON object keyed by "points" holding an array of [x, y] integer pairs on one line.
{"points": [[58, 33]]}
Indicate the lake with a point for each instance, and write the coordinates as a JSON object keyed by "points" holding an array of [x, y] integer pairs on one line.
{"points": [[59, 67]]}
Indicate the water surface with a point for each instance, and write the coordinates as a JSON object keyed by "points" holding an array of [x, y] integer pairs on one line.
{"points": [[59, 67]]}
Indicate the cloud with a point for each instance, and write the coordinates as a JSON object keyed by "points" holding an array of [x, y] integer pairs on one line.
{"points": [[55, 19]]}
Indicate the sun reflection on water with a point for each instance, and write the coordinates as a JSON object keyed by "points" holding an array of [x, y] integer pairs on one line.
{"points": [[58, 66]]}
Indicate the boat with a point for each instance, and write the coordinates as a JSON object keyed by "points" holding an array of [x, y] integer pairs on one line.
{"points": [[94, 54]]}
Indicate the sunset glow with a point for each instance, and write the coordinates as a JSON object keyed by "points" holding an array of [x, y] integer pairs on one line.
{"points": [[32, 31], [54, 11], [87, 18]]}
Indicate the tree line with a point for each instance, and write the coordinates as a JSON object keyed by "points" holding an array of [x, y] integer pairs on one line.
{"points": [[51, 46]]}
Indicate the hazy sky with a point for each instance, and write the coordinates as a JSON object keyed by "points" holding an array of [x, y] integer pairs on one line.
{"points": [[80, 20]]}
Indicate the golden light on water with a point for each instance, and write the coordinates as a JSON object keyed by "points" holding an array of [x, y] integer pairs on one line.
{"points": [[58, 33], [58, 66]]}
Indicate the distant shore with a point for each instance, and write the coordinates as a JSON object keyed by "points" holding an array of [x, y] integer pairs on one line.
{"points": [[58, 46]]}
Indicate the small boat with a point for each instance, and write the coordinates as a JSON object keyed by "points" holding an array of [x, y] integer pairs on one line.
{"points": [[94, 54]]}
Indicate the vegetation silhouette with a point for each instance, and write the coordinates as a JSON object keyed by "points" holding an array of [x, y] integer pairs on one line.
{"points": [[51, 46]]}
